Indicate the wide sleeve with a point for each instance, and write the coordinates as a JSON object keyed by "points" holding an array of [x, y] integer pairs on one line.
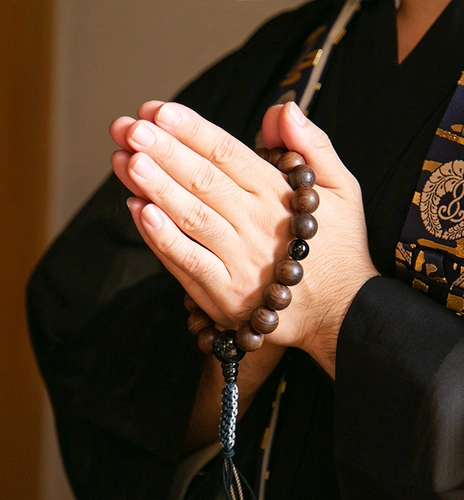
{"points": [[399, 396], [108, 327]]}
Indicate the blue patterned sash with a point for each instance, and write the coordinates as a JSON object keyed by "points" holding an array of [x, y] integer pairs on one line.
{"points": [[430, 255]]}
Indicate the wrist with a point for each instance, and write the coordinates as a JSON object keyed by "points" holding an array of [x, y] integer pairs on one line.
{"points": [[321, 343]]}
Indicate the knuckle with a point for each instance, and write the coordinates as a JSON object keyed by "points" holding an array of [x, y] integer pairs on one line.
{"points": [[192, 131], [224, 150], [196, 219], [192, 263], [322, 140], [168, 152], [203, 180], [164, 190]]}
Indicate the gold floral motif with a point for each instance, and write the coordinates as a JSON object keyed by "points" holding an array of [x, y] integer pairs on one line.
{"points": [[446, 180]]}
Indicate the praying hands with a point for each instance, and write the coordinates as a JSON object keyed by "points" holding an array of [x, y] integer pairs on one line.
{"points": [[218, 217]]}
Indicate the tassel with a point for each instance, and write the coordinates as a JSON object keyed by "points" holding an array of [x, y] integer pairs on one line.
{"points": [[229, 411]]}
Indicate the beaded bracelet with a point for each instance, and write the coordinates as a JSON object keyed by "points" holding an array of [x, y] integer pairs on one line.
{"points": [[230, 346]]}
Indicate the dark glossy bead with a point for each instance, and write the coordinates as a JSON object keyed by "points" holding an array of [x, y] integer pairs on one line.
{"points": [[263, 153], [301, 176], [289, 272], [206, 338], [298, 249], [197, 321], [305, 199], [189, 304], [225, 349], [277, 296], [275, 154], [248, 339], [304, 225], [289, 160], [264, 320]]}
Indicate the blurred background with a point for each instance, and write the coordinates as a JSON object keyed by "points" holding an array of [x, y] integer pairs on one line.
{"points": [[69, 67]]}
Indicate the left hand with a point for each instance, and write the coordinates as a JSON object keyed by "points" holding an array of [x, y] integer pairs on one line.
{"points": [[218, 217]]}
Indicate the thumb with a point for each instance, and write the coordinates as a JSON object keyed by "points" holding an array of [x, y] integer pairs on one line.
{"points": [[301, 135]]}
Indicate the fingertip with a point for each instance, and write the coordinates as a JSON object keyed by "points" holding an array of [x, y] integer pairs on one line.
{"points": [[270, 127], [135, 205], [118, 129], [295, 114], [148, 109], [152, 216]]}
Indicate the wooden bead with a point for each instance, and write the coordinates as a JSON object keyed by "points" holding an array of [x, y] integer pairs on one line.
{"points": [[189, 304], [197, 321], [298, 249], [264, 320], [289, 272], [289, 160], [263, 153], [305, 199], [248, 339], [304, 225], [277, 296], [275, 154], [225, 349], [301, 176], [206, 338]]}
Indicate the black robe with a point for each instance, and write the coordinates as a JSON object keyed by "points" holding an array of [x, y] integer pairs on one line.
{"points": [[108, 324]]}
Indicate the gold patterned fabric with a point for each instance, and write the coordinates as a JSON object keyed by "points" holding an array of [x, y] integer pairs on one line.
{"points": [[430, 255]]}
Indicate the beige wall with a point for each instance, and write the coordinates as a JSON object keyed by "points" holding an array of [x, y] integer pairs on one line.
{"points": [[110, 56]]}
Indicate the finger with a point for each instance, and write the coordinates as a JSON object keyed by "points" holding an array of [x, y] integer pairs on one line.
{"points": [[189, 213], [118, 130], [193, 266], [213, 143], [189, 169], [270, 127], [301, 135], [148, 109], [120, 162]]}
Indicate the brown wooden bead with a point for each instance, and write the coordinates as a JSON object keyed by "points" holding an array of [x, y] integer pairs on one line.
{"points": [[275, 154], [277, 296], [206, 339], [197, 321], [264, 320], [289, 272], [189, 304], [263, 153], [289, 160], [305, 199], [301, 176], [248, 339], [304, 225]]}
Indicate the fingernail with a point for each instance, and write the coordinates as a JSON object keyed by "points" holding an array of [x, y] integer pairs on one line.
{"points": [[169, 115], [152, 216], [130, 202], [297, 115], [143, 135], [144, 168]]}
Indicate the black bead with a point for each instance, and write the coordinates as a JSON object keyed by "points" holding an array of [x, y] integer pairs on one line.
{"points": [[225, 349], [298, 249]]}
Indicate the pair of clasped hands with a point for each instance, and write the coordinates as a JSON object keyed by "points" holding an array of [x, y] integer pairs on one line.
{"points": [[218, 217]]}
